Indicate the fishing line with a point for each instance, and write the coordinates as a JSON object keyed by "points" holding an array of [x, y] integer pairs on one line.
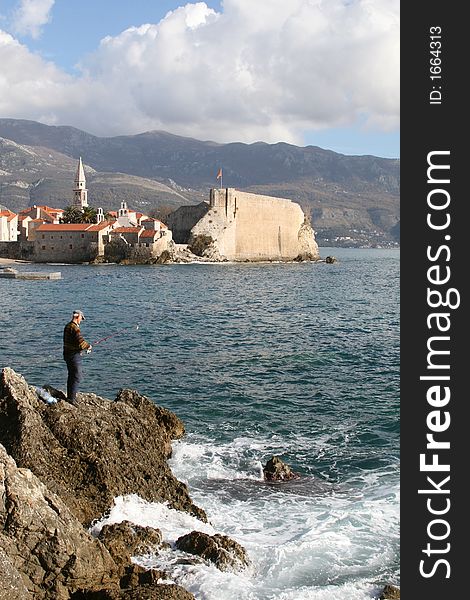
{"points": [[111, 335], [56, 358]]}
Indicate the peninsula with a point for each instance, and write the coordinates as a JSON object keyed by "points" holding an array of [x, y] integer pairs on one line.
{"points": [[230, 226]]}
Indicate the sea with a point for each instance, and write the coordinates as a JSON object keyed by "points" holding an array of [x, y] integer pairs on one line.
{"points": [[296, 360]]}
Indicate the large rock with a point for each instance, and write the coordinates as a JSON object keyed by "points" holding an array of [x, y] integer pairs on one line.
{"points": [[224, 552], [144, 592], [46, 552], [11, 582], [93, 451], [124, 540], [390, 592], [276, 470]]}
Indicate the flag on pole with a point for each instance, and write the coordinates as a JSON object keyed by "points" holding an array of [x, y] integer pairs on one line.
{"points": [[219, 176]]}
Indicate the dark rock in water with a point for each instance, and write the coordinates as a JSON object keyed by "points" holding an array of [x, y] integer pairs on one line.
{"points": [[390, 592], [44, 543], [124, 540], [224, 552], [276, 470], [306, 257], [95, 450], [330, 260]]}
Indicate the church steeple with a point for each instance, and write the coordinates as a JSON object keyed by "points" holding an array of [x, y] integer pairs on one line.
{"points": [[80, 193]]}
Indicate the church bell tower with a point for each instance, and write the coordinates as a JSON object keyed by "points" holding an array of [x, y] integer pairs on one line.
{"points": [[80, 193]]}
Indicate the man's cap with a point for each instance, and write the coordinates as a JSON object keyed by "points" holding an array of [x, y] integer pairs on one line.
{"points": [[78, 313]]}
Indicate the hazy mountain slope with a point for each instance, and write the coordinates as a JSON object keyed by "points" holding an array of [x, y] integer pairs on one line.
{"points": [[37, 175], [349, 196]]}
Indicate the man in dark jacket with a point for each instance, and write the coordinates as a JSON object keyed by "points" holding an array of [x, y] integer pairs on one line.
{"points": [[74, 345]]}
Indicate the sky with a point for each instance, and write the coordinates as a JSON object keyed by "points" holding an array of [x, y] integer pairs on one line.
{"points": [[305, 72]]}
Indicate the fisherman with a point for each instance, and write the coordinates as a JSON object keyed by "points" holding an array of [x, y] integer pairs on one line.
{"points": [[74, 345]]}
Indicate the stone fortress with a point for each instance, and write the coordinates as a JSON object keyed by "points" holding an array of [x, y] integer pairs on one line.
{"points": [[231, 226], [239, 226]]}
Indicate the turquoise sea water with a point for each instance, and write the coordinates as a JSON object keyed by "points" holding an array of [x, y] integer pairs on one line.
{"points": [[298, 360]]}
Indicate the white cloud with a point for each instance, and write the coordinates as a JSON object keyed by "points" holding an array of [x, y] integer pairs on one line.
{"points": [[264, 70], [31, 16]]}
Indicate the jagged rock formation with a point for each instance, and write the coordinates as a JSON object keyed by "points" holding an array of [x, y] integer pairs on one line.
{"points": [[390, 592], [224, 552], [94, 451], [11, 582], [44, 545], [124, 540], [143, 592], [276, 470], [61, 466]]}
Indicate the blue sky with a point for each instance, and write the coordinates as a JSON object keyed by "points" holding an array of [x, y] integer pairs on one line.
{"points": [[324, 73]]}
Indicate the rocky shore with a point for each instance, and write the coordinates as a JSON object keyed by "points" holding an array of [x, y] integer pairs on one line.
{"points": [[61, 466]]}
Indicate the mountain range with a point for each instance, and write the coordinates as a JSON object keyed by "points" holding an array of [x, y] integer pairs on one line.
{"points": [[351, 200]]}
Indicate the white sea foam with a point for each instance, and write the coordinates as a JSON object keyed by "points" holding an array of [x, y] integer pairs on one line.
{"points": [[172, 523], [305, 540]]}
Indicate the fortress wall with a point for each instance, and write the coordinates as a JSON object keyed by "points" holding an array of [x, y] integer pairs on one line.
{"points": [[61, 251], [19, 250], [183, 219], [267, 228], [221, 227], [252, 227]]}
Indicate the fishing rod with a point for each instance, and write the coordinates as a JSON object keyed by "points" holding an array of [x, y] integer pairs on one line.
{"points": [[111, 335], [52, 358]]}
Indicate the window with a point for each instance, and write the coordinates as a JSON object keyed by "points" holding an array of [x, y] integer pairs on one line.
{"points": [[43, 247], [70, 246], [83, 235], [43, 236]]}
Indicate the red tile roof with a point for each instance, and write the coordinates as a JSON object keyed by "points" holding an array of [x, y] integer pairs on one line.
{"points": [[99, 226], [149, 233], [64, 227], [48, 209], [8, 214], [127, 229]]}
